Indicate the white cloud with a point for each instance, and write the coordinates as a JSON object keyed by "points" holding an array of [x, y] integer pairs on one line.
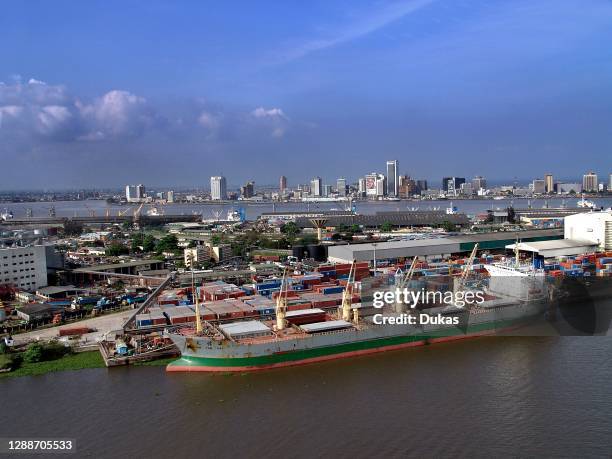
{"points": [[273, 119], [261, 112], [366, 23], [118, 113], [208, 120], [52, 118]]}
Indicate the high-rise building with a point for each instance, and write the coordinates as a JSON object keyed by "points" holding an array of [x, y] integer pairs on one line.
{"points": [[327, 190], [370, 184], [589, 182], [140, 191], [452, 185], [392, 185], [407, 187], [316, 186], [135, 193], [421, 185], [538, 186], [381, 185], [362, 186], [218, 188], [282, 186], [24, 267], [550, 184], [130, 193], [341, 186], [248, 190], [610, 182], [478, 183], [170, 197]]}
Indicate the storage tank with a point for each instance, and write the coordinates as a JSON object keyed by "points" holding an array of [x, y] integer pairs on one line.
{"points": [[298, 251], [317, 252]]}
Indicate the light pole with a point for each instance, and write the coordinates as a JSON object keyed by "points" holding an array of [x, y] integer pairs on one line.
{"points": [[374, 246]]}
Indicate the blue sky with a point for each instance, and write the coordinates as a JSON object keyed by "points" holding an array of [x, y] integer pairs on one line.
{"points": [[169, 93]]}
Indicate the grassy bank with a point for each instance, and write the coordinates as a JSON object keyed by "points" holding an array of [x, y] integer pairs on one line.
{"points": [[79, 361]]}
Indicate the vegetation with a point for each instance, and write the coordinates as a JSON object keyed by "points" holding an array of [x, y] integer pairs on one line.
{"points": [[146, 241], [511, 215], [37, 352], [386, 227], [81, 360], [449, 226], [116, 248], [168, 243]]}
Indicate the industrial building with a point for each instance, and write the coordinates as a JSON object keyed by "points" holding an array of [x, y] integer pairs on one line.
{"points": [[397, 219], [594, 227], [24, 267], [555, 248], [435, 247]]}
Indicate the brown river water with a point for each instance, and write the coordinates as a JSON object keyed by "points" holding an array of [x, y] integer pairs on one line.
{"points": [[484, 397]]}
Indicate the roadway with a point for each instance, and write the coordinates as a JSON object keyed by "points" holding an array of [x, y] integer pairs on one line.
{"points": [[103, 324]]}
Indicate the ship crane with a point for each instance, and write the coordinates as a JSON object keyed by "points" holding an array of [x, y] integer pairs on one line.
{"points": [[281, 304], [468, 265], [404, 281], [347, 296], [459, 282]]}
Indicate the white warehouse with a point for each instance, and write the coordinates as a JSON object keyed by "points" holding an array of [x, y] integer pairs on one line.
{"points": [[595, 227], [24, 267]]}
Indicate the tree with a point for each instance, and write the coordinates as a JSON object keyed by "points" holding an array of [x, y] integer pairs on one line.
{"points": [[168, 243], [148, 243], [34, 353], [116, 248], [386, 227], [290, 229], [511, 215], [449, 226]]}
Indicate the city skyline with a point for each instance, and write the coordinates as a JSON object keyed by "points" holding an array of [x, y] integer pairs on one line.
{"points": [[321, 87]]}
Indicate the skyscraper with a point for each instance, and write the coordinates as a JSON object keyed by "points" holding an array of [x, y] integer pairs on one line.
{"points": [[170, 197], [589, 182], [478, 183], [282, 186], [218, 188], [550, 185], [392, 186], [130, 193], [248, 190], [452, 185], [140, 191], [539, 186], [341, 186], [316, 186]]}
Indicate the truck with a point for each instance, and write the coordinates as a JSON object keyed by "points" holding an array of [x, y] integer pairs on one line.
{"points": [[84, 302]]}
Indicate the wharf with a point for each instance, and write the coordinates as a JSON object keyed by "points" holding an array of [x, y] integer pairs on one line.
{"points": [[112, 360]]}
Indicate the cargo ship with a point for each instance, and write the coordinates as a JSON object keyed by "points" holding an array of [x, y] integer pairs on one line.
{"points": [[313, 335]]}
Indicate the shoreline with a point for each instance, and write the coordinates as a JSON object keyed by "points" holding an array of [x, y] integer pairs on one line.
{"points": [[72, 362]]}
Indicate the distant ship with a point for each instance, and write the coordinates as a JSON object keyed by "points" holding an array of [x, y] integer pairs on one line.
{"points": [[586, 204], [6, 215]]}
